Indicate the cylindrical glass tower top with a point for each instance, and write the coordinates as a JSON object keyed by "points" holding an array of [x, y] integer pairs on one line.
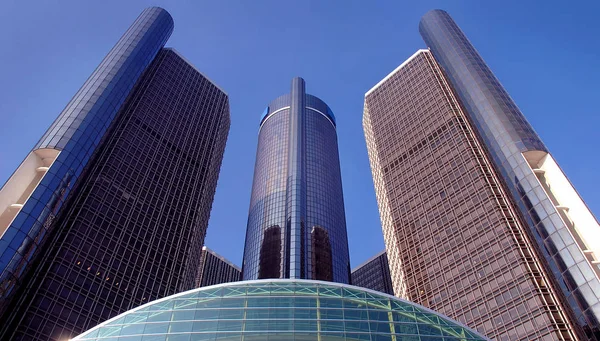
{"points": [[296, 224]]}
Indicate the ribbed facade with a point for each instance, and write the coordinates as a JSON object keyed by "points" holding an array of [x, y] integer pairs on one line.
{"points": [[563, 230], [374, 274], [296, 224], [132, 229], [214, 269], [454, 238], [27, 214]]}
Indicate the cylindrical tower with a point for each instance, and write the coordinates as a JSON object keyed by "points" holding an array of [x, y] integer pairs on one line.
{"points": [[296, 224], [561, 227], [35, 193]]}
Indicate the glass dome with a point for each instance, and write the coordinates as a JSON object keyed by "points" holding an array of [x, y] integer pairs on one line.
{"points": [[280, 309]]}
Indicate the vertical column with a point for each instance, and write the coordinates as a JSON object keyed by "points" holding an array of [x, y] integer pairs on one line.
{"points": [[296, 180]]}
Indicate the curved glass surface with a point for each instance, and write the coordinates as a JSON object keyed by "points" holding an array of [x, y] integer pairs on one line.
{"points": [[281, 310], [296, 223]]}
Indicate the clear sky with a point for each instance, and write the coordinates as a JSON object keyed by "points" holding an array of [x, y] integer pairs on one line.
{"points": [[546, 55]]}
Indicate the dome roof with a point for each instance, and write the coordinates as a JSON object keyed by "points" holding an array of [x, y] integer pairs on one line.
{"points": [[280, 309]]}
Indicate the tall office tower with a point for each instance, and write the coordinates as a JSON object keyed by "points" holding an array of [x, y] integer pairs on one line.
{"points": [[132, 227], [454, 237], [561, 226], [374, 274], [296, 224], [215, 269]]}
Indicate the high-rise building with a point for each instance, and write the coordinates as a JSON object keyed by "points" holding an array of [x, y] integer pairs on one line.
{"points": [[374, 274], [296, 224], [215, 269], [479, 221], [282, 310], [116, 197]]}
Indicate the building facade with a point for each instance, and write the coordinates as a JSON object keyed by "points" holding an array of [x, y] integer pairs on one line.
{"points": [[455, 239], [281, 309], [215, 269], [562, 227], [374, 274], [132, 228], [296, 224]]}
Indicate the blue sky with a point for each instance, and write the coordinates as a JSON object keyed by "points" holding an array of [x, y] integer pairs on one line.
{"points": [[545, 54]]}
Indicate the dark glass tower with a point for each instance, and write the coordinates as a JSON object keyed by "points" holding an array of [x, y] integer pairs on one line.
{"points": [[215, 269], [296, 224], [374, 274], [564, 230], [132, 228]]}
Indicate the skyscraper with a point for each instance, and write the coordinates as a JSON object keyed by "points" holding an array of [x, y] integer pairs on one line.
{"points": [[296, 224], [215, 269], [374, 274], [120, 213], [472, 205]]}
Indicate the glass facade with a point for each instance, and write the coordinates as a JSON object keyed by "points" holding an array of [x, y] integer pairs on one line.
{"points": [[75, 135], [512, 144], [282, 309], [214, 269], [374, 274], [454, 239], [296, 225], [134, 226]]}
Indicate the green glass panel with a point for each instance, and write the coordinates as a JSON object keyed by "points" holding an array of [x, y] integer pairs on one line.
{"points": [[132, 329], [165, 305], [126, 338], [258, 291], [136, 317], [281, 325], [380, 327], [234, 291], [157, 316], [401, 306], [118, 321], [404, 337], [204, 326], [180, 327], [306, 290], [379, 315], [372, 296], [208, 303], [154, 338], [405, 328], [258, 302], [156, 328], [301, 302], [357, 326], [283, 302], [229, 314], [354, 304], [183, 315], [305, 313], [379, 303], [213, 292], [424, 317], [256, 325], [233, 302], [91, 334], [206, 314], [326, 302], [185, 304], [431, 338], [229, 337], [404, 317], [280, 336], [281, 313], [352, 293], [381, 337], [305, 325], [361, 337], [203, 337], [179, 337], [330, 291], [332, 325], [351, 314], [331, 314], [305, 336], [332, 337], [233, 326], [253, 314], [108, 331], [426, 329]]}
